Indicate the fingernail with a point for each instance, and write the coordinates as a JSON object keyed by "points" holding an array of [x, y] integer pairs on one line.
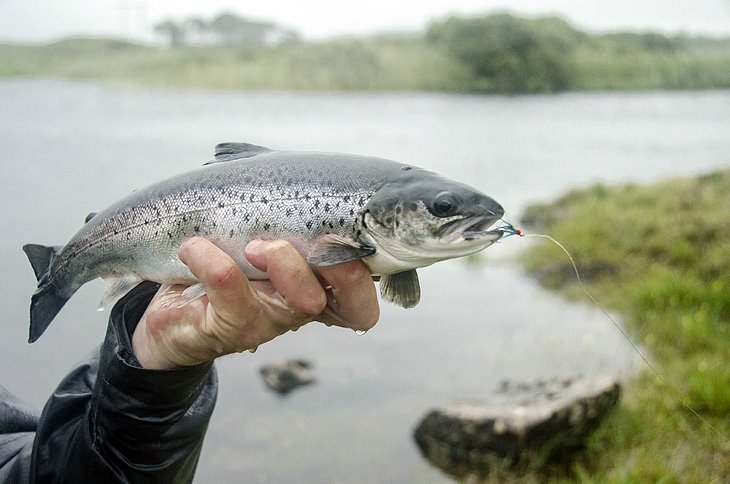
{"points": [[255, 246], [182, 250]]}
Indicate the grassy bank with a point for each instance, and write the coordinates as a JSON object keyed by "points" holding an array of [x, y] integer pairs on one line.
{"points": [[660, 256], [493, 54], [372, 64]]}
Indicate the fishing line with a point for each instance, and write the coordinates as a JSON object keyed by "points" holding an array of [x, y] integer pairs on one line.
{"points": [[510, 230]]}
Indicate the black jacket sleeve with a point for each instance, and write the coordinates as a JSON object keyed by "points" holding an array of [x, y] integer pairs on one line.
{"points": [[110, 420]]}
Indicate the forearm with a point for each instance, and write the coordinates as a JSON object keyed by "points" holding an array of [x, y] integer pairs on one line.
{"points": [[112, 420]]}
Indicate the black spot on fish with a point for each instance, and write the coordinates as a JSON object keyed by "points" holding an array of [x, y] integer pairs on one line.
{"points": [[309, 224], [360, 202], [342, 222], [146, 222], [231, 233], [331, 225], [196, 228], [267, 226], [251, 198], [352, 211], [235, 210], [326, 207], [307, 196], [289, 212], [398, 209], [389, 220], [316, 203], [346, 198], [406, 168], [264, 200], [221, 204], [413, 207]]}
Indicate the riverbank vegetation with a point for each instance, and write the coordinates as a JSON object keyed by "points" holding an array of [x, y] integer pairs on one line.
{"points": [[493, 54], [660, 257]]}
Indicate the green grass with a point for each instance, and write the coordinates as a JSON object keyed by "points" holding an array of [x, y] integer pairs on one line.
{"points": [[372, 64], [660, 256]]}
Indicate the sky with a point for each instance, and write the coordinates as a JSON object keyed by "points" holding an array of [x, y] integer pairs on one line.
{"points": [[45, 20]]}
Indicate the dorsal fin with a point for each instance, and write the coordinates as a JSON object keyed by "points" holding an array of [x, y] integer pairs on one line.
{"points": [[236, 151]]}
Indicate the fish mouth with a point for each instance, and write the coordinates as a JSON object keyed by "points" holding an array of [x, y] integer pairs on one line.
{"points": [[471, 228]]}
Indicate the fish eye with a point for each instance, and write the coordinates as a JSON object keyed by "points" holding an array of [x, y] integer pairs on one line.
{"points": [[444, 204]]}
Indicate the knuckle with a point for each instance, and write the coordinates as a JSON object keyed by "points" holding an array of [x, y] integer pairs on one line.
{"points": [[312, 304], [224, 273]]}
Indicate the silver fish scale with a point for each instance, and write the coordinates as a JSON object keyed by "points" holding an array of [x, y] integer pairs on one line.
{"points": [[296, 196]]}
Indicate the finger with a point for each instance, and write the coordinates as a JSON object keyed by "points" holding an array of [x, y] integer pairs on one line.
{"points": [[225, 283], [353, 290], [290, 275]]}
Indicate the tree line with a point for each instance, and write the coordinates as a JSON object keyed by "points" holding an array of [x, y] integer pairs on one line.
{"points": [[492, 54], [225, 29], [512, 55]]}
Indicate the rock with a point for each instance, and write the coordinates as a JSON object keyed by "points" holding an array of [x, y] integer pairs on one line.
{"points": [[546, 418], [284, 377]]}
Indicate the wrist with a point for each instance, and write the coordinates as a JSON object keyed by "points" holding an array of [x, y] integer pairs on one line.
{"points": [[146, 351], [172, 337]]}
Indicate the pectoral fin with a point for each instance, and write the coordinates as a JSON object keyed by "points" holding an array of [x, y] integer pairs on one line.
{"points": [[193, 292], [401, 289], [334, 249]]}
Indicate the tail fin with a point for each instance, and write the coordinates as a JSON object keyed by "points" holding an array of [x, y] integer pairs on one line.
{"points": [[47, 300]]}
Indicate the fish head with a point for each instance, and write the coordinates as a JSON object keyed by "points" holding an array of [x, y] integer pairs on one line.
{"points": [[422, 218]]}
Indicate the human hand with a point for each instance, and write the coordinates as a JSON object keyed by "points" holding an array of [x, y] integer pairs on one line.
{"points": [[237, 314]]}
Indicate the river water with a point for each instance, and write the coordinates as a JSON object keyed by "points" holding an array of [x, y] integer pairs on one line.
{"points": [[69, 148]]}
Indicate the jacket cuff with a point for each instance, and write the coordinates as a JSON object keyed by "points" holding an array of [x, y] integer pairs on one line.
{"points": [[163, 389]]}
